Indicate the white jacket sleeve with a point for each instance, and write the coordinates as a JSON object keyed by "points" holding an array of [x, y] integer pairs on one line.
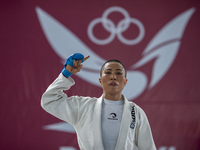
{"points": [[57, 103], [144, 138]]}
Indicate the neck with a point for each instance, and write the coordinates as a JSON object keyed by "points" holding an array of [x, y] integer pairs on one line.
{"points": [[116, 97]]}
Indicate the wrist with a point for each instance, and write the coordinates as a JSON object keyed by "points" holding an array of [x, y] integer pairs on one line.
{"points": [[66, 73]]}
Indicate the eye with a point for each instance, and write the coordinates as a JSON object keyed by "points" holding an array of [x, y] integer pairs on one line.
{"points": [[107, 72], [119, 73]]}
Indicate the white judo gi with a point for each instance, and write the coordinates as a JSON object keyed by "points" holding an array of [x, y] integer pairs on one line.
{"points": [[84, 113]]}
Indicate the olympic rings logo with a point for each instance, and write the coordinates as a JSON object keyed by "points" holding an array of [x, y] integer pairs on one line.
{"points": [[116, 30]]}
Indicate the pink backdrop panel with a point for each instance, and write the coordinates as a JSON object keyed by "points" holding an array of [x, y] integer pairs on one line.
{"points": [[158, 42]]}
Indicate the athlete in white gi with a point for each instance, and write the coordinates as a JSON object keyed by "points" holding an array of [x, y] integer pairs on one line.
{"points": [[110, 122]]}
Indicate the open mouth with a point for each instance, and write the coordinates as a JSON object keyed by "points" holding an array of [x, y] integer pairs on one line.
{"points": [[113, 84]]}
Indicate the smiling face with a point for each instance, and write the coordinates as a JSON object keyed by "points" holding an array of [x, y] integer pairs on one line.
{"points": [[112, 80]]}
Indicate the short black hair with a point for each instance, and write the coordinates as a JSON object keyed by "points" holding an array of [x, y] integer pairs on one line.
{"points": [[113, 60]]}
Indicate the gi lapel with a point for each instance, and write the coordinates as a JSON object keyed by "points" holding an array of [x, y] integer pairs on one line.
{"points": [[125, 126], [98, 144]]}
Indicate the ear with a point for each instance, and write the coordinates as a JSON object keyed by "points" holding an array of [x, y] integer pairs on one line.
{"points": [[99, 81], [125, 82]]}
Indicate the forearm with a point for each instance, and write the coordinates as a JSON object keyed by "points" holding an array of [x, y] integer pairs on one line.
{"points": [[55, 90], [55, 101]]}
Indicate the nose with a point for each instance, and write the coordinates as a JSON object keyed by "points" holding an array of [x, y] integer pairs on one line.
{"points": [[113, 76]]}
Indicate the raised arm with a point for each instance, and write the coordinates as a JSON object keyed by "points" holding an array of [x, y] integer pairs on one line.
{"points": [[55, 101]]}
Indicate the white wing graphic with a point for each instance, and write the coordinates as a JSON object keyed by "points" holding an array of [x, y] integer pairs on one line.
{"points": [[62, 127], [164, 46], [137, 82]]}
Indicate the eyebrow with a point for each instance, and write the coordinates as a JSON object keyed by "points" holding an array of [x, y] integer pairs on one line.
{"points": [[115, 69]]}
